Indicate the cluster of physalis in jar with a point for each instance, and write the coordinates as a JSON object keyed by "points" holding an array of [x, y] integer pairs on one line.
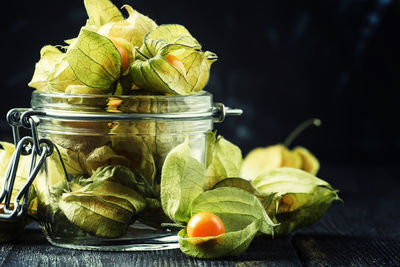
{"points": [[123, 56], [220, 205]]}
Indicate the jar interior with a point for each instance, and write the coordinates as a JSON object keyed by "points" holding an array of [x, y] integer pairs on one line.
{"points": [[100, 189]]}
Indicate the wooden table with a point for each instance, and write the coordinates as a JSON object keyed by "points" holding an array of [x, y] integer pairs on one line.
{"points": [[362, 231]]}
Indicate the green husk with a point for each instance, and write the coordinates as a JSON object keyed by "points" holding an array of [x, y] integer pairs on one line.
{"points": [[182, 180], [95, 60], [223, 159], [151, 71], [95, 214], [52, 72], [300, 198]]}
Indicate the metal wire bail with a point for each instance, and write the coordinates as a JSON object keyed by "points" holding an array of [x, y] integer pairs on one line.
{"points": [[28, 145]]}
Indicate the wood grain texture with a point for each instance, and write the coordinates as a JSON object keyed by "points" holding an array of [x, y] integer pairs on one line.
{"points": [[33, 250], [364, 230]]}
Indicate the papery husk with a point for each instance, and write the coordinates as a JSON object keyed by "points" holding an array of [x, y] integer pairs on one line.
{"points": [[223, 160], [134, 146], [115, 189], [52, 71], [104, 156], [166, 139], [50, 183], [117, 181], [260, 160], [300, 198], [104, 217], [95, 61], [151, 71], [139, 104], [81, 136], [101, 12], [309, 162], [132, 29], [74, 161]]}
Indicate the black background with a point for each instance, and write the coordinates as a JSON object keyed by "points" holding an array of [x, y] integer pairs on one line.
{"points": [[282, 62]]}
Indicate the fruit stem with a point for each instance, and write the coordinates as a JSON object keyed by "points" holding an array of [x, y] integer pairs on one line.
{"points": [[299, 129]]}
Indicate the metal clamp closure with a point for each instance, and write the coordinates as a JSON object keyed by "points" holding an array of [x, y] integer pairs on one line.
{"points": [[28, 145], [220, 111]]}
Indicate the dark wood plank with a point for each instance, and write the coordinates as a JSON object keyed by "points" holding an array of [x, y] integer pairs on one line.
{"points": [[33, 250], [364, 230]]}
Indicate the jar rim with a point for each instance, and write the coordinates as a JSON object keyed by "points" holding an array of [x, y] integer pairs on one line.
{"points": [[68, 95], [124, 107]]}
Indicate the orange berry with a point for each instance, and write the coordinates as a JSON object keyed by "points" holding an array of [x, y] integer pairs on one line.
{"points": [[204, 224], [174, 61], [124, 55]]}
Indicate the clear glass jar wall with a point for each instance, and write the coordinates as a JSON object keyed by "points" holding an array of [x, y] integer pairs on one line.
{"points": [[100, 188]]}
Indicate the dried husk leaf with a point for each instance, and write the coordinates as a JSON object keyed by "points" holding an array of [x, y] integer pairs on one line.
{"points": [[228, 244], [287, 180], [224, 159], [115, 189], [133, 29], [74, 162], [151, 71], [101, 12], [290, 159], [95, 60], [117, 181], [236, 208], [104, 156], [238, 183], [310, 162], [88, 135], [182, 180], [134, 146], [79, 143], [243, 216], [300, 198], [297, 210], [165, 141], [52, 72], [260, 160], [165, 35], [94, 214]]}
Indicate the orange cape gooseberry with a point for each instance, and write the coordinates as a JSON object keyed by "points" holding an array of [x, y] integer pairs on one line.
{"points": [[204, 224], [174, 61], [124, 55]]}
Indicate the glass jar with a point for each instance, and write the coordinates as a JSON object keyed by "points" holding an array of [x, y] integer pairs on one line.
{"points": [[100, 187]]}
